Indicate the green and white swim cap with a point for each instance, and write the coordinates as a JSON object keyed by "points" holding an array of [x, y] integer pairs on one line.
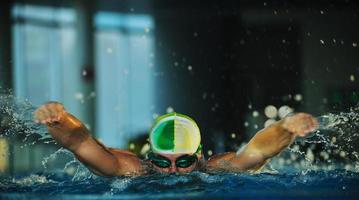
{"points": [[175, 134]]}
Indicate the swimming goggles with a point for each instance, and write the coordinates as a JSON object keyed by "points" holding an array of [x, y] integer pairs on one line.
{"points": [[163, 162]]}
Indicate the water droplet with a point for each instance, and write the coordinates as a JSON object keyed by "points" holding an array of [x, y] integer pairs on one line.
{"points": [[298, 97], [255, 113], [155, 115], [204, 95], [169, 110], [270, 111], [355, 44], [310, 155], [342, 154], [93, 94], [334, 139], [145, 148], [87, 126], [79, 96], [132, 146], [189, 68], [233, 135], [269, 122], [322, 41], [84, 72], [325, 100], [352, 78], [209, 152], [284, 111], [109, 50]]}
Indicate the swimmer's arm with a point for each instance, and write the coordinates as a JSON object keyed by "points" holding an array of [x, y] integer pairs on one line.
{"points": [[266, 144], [71, 133], [119, 162]]}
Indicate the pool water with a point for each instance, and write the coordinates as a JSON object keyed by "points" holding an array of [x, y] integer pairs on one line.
{"points": [[322, 166], [289, 184]]}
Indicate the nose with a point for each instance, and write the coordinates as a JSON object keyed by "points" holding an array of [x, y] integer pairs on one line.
{"points": [[173, 169]]}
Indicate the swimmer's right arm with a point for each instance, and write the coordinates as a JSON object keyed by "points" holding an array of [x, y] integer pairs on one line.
{"points": [[72, 134]]}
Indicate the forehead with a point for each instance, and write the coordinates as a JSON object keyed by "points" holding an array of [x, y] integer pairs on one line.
{"points": [[170, 156]]}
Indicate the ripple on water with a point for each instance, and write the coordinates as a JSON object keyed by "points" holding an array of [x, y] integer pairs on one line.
{"points": [[329, 167], [322, 183]]}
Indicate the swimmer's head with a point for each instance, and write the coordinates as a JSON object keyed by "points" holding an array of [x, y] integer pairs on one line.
{"points": [[175, 133]]}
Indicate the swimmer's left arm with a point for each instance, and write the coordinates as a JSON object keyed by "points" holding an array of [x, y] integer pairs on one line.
{"points": [[266, 144]]}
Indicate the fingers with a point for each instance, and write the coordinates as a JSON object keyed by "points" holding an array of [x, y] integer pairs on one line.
{"points": [[301, 124], [49, 113], [39, 115], [54, 110]]}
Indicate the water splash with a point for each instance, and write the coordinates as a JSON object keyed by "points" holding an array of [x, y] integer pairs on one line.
{"points": [[120, 185], [73, 167], [33, 179], [333, 146], [16, 118], [53, 156]]}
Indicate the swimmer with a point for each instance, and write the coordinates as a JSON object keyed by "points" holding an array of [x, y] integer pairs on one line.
{"points": [[175, 142]]}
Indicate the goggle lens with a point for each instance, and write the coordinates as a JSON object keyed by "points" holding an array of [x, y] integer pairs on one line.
{"points": [[185, 161], [181, 162], [159, 161]]}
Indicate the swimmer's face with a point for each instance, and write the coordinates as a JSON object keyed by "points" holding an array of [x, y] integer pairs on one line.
{"points": [[173, 168]]}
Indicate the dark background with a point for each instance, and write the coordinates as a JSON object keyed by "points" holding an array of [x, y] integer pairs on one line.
{"points": [[243, 56]]}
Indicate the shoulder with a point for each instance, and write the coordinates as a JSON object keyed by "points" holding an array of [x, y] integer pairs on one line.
{"points": [[219, 161], [130, 163]]}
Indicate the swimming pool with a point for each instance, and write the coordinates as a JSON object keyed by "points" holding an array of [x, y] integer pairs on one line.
{"points": [[288, 184], [324, 166]]}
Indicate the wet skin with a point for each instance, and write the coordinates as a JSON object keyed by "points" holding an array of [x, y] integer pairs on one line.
{"points": [[71, 133]]}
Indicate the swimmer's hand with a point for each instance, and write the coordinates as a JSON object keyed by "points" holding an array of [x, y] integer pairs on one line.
{"points": [[300, 124], [53, 114], [66, 129], [50, 114]]}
